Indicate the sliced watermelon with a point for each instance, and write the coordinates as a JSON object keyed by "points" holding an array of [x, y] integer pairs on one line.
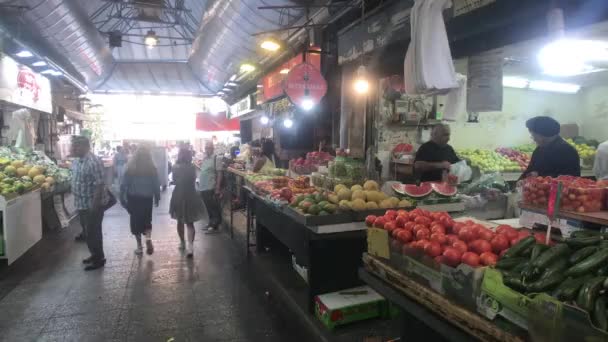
{"points": [[415, 191], [444, 189]]}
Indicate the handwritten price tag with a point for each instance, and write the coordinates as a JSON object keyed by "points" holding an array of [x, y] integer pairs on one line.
{"points": [[378, 243]]}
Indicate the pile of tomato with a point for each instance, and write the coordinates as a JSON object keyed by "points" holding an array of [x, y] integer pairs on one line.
{"points": [[447, 241], [578, 194]]}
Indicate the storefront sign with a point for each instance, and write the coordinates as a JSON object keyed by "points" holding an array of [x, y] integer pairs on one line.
{"points": [[272, 84], [22, 86], [242, 107], [484, 85], [305, 81]]}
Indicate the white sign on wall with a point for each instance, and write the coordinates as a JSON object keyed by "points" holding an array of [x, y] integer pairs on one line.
{"points": [[24, 87]]}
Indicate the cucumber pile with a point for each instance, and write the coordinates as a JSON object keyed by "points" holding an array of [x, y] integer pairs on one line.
{"points": [[575, 271]]}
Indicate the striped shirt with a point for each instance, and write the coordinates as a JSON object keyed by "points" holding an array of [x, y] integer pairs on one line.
{"points": [[87, 175]]}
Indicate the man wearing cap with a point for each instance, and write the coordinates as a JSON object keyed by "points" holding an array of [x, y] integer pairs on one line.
{"points": [[553, 156], [88, 188]]}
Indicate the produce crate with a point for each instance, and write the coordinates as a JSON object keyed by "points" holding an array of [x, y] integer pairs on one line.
{"points": [[351, 305], [555, 321], [315, 220], [461, 284], [496, 299]]}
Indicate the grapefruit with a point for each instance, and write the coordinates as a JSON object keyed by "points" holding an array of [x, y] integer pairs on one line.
{"points": [[370, 185], [39, 179]]}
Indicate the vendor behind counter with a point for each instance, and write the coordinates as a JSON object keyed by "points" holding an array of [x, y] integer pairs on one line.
{"points": [[435, 157]]}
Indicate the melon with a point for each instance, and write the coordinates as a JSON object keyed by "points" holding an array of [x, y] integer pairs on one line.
{"points": [[359, 194], [344, 195], [10, 170], [39, 179], [17, 164], [50, 180], [22, 171], [395, 201], [370, 185], [34, 171], [417, 191], [371, 205], [386, 204], [356, 187], [344, 205], [444, 189], [358, 204], [405, 204], [339, 187]]}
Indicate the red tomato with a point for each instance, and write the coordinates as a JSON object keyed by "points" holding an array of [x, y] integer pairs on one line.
{"points": [[503, 252], [439, 259], [422, 220], [418, 227], [402, 212], [515, 240], [400, 221], [486, 234], [499, 243], [437, 228], [478, 228], [405, 236], [389, 218], [391, 213], [503, 229], [452, 256], [369, 220], [540, 237], [466, 234], [423, 243], [379, 222], [409, 226], [423, 234], [390, 226], [512, 234], [488, 259], [523, 232], [470, 259], [460, 246], [457, 227], [480, 246], [451, 238], [395, 232], [433, 249], [440, 238], [446, 221]]}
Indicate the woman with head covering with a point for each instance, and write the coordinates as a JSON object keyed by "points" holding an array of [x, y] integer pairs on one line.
{"points": [[553, 156], [139, 189], [186, 206], [266, 161]]}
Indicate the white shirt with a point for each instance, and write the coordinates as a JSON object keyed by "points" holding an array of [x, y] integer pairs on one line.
{"points": [[600, 167]]}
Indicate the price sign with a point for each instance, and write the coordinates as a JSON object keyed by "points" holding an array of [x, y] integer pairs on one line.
{"points": [[378, 243]]}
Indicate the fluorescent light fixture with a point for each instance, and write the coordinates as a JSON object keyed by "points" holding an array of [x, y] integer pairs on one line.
{"points": [[39, 63], [232, 84], [57, 73], [270, 45], [284, 71], [260, 86], [264, 120], [247, 67], [515, 82], [219, 93], [226, 89], [570, 57], [307, 104], [288, 123], [233, 77], [151, 39], [24, 54], [48, 72], [557, 87]]}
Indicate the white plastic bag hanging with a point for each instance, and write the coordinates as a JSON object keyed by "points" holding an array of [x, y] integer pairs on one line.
{"points": [[462, 171]]}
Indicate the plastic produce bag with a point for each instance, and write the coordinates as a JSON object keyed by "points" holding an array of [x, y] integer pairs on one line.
{"points": [[462, 171], [486, 181]]}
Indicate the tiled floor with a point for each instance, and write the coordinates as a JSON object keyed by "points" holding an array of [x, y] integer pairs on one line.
{"points": [[46, 296]]}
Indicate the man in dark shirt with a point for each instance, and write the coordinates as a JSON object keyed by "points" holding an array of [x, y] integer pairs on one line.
{"points": [[554, 156], [435, 156]]}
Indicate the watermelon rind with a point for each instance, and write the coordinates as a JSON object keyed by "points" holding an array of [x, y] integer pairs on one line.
{"points": [[444, 189], [415, 191]]}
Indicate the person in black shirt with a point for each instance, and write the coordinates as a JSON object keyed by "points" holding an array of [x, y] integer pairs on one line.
{"points": [[553, 156], [435, 157]]}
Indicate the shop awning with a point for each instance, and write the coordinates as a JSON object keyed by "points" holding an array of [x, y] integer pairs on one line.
{"points": [[215, 123]]}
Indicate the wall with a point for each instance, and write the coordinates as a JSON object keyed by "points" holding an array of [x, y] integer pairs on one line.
{"points": [[595, 119]]}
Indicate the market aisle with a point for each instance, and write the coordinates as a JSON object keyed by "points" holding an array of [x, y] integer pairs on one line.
{"points": [[46, 296]]}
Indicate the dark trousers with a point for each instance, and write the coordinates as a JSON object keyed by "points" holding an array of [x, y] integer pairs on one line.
{"points": [[91, 221], [213, 207]]}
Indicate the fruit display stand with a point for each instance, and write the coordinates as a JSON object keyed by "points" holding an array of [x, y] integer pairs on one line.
{"points": [[330, 253], [421, 304], [21, 224]]}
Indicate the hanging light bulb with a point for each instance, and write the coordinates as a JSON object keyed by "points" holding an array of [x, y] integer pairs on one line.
{"points": [[288, 123], [151, 39], [270, 45], [264, 120], [361, 84]]}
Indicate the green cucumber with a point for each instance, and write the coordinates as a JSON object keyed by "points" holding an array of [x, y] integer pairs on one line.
{"points": [[527, 252], [557, 266], [546, 283], [551, 254], [602, 271], [589, 292], [583, 233], [519, 247], [515, 284], [581, 254], [589, 264], [599, 314], [537, 250], [520, 267], [568, 290], [604, 244], [510, 263], [530, 273], [584, 241]]}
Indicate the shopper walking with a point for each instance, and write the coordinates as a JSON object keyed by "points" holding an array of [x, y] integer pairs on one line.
{"points": [[139, 189], [186, 206], [210, 181], [120, 162], [90, 196]]}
